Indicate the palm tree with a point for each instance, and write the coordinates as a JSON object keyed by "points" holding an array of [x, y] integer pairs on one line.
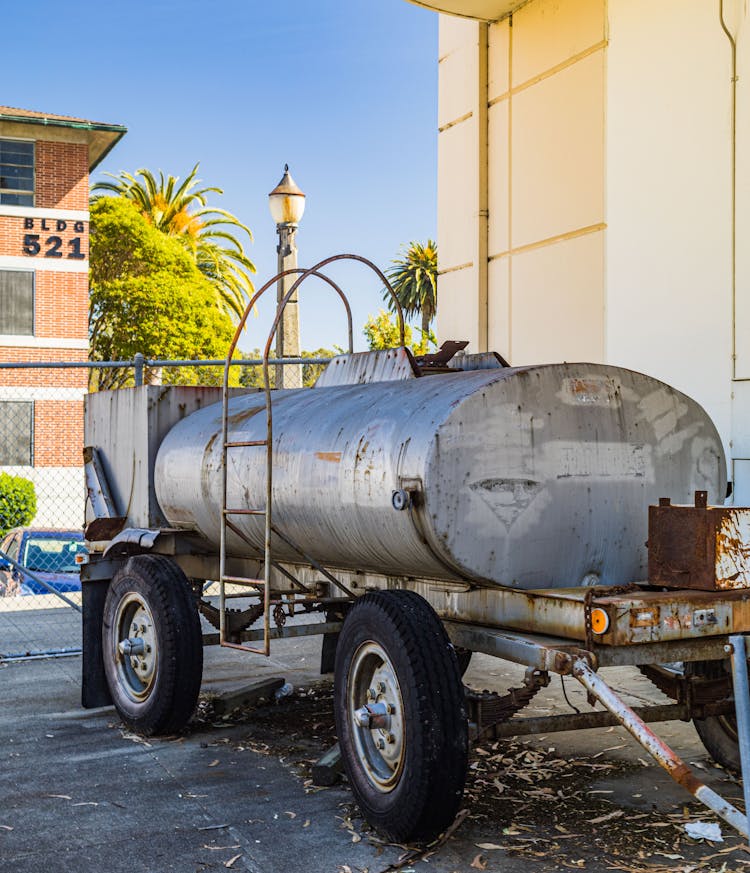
{"points": [[414, 280], [182, 211]]}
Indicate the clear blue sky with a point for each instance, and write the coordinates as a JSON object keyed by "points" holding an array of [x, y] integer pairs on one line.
{"points": [[345, 91]]}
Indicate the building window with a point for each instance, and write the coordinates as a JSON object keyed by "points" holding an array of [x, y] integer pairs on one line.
{"points": [[16, 433], [16, 172], [17, 302]]}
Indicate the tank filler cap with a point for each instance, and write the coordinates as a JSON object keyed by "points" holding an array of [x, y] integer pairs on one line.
{"points": [[400, 500]]}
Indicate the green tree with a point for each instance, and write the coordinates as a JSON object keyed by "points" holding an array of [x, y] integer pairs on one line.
{"points": [[147, 295], [252, 375], [381, 332], [209, 234], [413, 278], [17, 502]]}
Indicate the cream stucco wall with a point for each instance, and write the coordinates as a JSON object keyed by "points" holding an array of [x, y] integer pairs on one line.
{"points": [[544, 134], [669, 271], [585, 193]]}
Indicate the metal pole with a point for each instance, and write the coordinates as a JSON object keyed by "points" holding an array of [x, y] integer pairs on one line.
{"points": [[657, 748], [287, 336], [138, 362], [738, 652]]}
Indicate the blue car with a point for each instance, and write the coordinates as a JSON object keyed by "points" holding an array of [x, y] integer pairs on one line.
{"points": [[50, 554]]}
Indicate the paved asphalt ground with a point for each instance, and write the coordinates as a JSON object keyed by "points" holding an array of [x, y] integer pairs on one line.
{"points": [[79, 793]]}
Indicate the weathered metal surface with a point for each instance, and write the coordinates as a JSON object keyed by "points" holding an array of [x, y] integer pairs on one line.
{"points": [[478, 361], [547, 654], [557, 654], [97, 489], [635, 617], [657, 748], [530, 477], [518, 727], [126, 427], [131, 541], [360, 368], [281, 633], [699, 546]]}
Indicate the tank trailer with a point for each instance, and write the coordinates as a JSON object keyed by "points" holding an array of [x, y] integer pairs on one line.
{"points": [[564, 517]]}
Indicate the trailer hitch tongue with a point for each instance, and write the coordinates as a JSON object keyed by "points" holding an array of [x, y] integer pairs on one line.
{"points": [[657, 748]]}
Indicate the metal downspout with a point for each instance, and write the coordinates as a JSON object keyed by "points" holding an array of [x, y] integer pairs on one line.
{"points": [[482, 254], [733, 46], [738, 653]]}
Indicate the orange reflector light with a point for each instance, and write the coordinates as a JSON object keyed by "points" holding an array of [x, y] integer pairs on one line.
{"points": [[599, 621]]}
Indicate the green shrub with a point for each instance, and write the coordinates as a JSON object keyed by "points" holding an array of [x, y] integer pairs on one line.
{"points": [[17, 502]]}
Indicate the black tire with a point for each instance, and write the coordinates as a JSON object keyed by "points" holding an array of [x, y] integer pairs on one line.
{"points": [[718, 733], [409, 788], [150, 604], [463, 656]]}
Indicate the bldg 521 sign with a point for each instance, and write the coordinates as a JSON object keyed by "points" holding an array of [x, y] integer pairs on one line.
{"points": [[51, 238]]}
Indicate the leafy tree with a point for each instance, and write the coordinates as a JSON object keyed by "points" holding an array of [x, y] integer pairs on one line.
{"points": [[209, 234], [381, 332], [414, 281], [147, 295], [17, 502], [252, 375]]}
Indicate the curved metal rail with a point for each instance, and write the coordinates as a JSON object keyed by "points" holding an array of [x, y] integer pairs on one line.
{"points": [[266, 512]]}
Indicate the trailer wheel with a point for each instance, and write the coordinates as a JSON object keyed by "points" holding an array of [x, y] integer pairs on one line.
{"points": [[718, 733], [153, 652], [400, 715], [463, 656]]}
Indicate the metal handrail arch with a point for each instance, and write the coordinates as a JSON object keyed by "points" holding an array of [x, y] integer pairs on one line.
{"points": [[268, 442]]}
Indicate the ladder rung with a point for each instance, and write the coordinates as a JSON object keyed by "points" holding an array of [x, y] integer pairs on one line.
{"points": [[244, 512], [235, 445], [242, 580]]}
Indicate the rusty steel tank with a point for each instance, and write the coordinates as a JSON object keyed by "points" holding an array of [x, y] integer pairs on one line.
{"points": [[529, 477]]}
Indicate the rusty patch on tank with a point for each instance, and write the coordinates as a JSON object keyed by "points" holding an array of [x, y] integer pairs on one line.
{"points": [[332, 457], [245, 415], [593, 391]]}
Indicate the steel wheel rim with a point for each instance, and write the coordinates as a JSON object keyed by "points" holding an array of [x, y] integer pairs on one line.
{"points": [[372, 681], [135, 629]]}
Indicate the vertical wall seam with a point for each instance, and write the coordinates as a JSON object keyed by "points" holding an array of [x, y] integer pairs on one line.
{"points": [[605, 186], [509, 350], [483, 181]]}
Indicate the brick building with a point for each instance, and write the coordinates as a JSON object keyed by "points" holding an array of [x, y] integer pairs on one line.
{"points": [[45, 162]]}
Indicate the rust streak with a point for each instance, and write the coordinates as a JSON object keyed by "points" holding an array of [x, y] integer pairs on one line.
{"points": [[333, 457]]}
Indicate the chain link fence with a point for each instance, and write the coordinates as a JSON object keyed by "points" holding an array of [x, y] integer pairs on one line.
{"points": [[42, 485]]}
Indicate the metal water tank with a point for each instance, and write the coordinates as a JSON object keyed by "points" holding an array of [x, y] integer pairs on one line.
{"points": [[528, 477]]}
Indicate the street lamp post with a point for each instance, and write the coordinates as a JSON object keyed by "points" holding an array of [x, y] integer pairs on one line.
{"points": [[287, 203]]}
